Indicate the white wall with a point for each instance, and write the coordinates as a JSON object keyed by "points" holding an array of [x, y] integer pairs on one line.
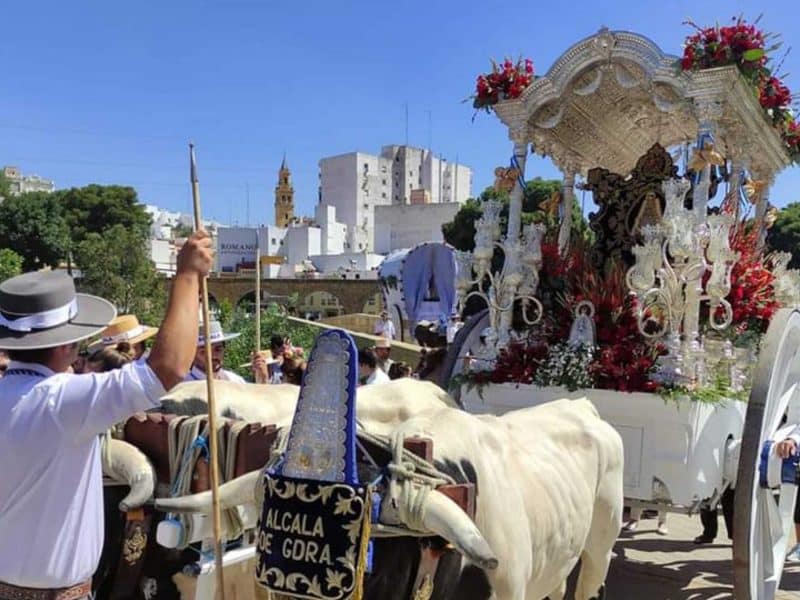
{"points": [[405, 226], [163, 255], [332, 233], [301, 242], [357, 262]]}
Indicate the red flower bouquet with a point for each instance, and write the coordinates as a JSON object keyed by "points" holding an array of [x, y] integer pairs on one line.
{"points": [[741, 44], [502, 83]]}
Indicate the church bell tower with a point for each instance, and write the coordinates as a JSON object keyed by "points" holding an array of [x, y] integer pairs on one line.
{"points": [[284, 197]]}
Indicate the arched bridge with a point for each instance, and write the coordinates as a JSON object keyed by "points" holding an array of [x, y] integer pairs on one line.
{"points": [[353, 294]]}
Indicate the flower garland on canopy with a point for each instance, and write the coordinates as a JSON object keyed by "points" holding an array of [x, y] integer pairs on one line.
{"points": [[745, 45], [506, 83]]}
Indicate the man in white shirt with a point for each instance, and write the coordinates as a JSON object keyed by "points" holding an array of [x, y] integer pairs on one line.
{"points": [[384, 327], [51, 493], [453, 326], [218, 338], [368, 369]]}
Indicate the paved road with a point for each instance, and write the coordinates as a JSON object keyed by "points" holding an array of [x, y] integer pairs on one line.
{"points": [[654, 567]]}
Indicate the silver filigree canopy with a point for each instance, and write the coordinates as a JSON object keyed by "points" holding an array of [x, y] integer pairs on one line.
{"points": [[611, 96]]}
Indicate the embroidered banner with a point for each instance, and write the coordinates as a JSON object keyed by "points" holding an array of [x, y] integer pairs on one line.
{"points": [[310, 537], [314, 522]]}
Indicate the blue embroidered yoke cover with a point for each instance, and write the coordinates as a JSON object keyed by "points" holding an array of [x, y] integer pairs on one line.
{"points": [[314, 522]]}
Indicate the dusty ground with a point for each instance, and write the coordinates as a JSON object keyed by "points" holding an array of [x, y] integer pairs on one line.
{"points": [[654, 567]]}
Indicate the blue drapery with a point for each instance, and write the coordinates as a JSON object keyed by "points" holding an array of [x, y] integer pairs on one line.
{"points": [[416, 276], [423, 263], [444, 266]]}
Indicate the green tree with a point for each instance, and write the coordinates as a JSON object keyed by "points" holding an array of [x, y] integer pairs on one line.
{"points": [[33, 225], [116, 265], [96, 208], [182, 231], [460, 232], [273, 322], [785, 233], [5, 187], [10, 264]]}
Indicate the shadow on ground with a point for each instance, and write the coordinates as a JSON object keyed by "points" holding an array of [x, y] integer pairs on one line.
{"points": [[657, 568]]}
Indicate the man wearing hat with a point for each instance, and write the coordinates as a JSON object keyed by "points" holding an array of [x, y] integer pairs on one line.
{"points": [[124, 328], [384, 326], [51, 493], [218, 339], [382, 350]]}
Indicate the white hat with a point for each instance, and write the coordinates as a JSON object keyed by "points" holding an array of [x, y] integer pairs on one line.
{"points": [[215, 334]]}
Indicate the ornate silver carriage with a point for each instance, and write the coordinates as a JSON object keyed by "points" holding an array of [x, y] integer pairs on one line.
{"points": [[613, 104]]}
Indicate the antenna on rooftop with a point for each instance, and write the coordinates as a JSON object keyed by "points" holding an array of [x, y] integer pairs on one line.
{"points": [[406, 123]]}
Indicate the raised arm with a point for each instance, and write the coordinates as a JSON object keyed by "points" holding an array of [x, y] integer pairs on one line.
{"points": [[174, 349]]}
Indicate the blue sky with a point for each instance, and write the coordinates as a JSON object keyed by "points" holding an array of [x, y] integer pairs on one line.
{"points": [[110, 92]]}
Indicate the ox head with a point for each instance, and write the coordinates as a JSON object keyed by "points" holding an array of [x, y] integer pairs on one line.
{"points": [[433, 513]]}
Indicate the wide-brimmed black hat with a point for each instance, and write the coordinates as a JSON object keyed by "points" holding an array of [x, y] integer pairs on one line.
{"points": [[42, 310]]}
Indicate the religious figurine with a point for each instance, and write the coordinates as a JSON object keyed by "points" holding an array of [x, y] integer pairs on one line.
{"points": [[505, 179], [582, 332], [649, 213]]}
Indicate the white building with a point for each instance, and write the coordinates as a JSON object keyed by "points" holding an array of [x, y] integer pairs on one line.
{"points": [[20, 184], [353, 265], [333, 234], [406, 225], [164, 255], [356, 183]]}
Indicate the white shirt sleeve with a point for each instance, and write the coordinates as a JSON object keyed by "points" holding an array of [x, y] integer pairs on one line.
{"points": [[88, 404], [795, 435]]}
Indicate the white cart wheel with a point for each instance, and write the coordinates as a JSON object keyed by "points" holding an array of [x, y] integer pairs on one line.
{"points": [[466, 340], [763, 517]]}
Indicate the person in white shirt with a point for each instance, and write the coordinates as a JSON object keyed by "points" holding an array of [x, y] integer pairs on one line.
{"points": [[384, 327], [51, 493], [383, 350], [218, 339], [368, 369], [453, 326]]}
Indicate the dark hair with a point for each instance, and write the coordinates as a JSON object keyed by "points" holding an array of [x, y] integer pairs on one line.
{"points": [[398, 370], [276, 342], [367, 357], [40, 356], [113, 357]]}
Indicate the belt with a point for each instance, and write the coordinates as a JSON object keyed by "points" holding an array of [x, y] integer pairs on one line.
{"points": [[13, 592]]}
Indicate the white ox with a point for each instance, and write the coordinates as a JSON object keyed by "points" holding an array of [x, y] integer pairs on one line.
{"points": [[380, 408], [549, 493]]}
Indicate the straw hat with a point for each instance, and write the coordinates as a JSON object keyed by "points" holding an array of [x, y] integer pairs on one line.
{"points": [[42, 310], [125, 328]]}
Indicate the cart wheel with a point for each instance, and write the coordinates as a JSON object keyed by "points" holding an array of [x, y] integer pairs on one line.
{"points": [[466, 340], [763, 517]]}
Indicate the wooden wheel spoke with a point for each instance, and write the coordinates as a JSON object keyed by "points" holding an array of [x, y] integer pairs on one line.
{"points": [[763, 517]]}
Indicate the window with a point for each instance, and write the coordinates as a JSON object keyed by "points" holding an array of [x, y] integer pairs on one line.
{"points": [[366, 166], [274, 241], [383, 182], [383, 195]]}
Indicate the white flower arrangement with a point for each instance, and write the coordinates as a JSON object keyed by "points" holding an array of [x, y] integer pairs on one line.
{"points": [[566, 366]]}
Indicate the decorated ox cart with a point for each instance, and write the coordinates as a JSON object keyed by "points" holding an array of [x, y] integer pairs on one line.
{"points": [[671, 318], [418, 284]]}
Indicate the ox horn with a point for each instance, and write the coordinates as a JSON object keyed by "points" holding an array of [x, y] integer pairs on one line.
{"points": [[236, 492], [442, 516], [124, 462]]}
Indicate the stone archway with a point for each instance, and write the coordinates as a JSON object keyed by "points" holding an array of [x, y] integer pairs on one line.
{"points": [[319, 305], [374, 304]]}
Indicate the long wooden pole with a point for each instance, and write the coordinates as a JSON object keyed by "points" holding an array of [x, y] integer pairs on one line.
{"points": [[258, 294], [212, 404]]}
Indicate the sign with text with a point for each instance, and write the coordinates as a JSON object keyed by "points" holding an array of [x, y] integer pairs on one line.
{"points": [[310, 536]]}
